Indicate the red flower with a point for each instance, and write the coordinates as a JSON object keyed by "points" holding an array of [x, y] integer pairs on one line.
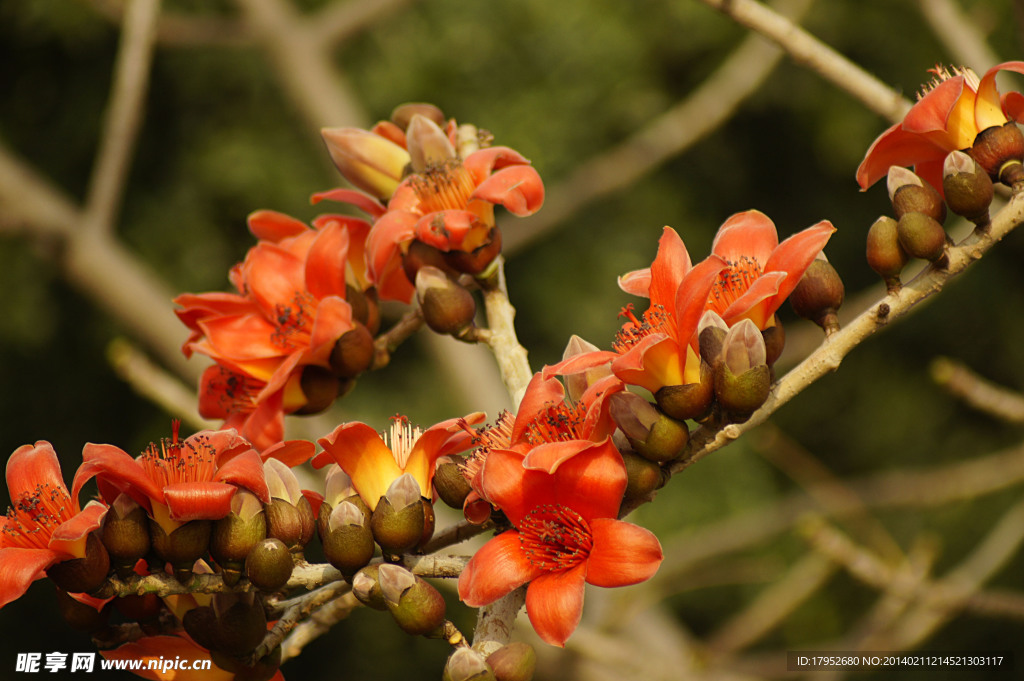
{"points": [[562, 497], [947, 117], [182, 480], [45, 524], [373, 463]]}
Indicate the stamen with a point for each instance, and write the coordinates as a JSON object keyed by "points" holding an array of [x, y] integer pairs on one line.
{"points": [[656, 319], [443, 186], [294, 323], [555, 537], [498, 436], [944, 73], [34, 516], [401, 439], [558, 422], [733, 282], [192, 460]]}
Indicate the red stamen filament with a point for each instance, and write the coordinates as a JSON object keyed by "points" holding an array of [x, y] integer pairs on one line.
{"points": [[34, 516], [656, 319], [294, 322], [498, 436], [559, 422], [555, 537], [180, 461], [733, 282]]}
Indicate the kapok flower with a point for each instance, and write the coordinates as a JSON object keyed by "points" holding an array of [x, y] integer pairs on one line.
{"points": [[373, 462], [562, 496], [948, 116], [44, 524], [179, 480]]}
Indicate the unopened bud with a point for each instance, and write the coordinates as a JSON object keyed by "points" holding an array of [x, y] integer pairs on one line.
{"points": [[447, 306], [365, 307], [417, 607], [319, 388], [82, 574], [269, 565], [242, 625], [818, 295], [968, 188], [451, 485], [284, 522], [999, 150], [689, 401], [643, 476], [466, 664], [910, 194], [398, 520], [235, 535], [347, 541], [366, 587], [183, 546], [403, 113], [885, 255], [369, 161], [125, 534], [921, 236], [353, 353], [428, 144], [774, 341], [650, 432], [515, 661], [743, 380], [480, 261], [710, 334]]}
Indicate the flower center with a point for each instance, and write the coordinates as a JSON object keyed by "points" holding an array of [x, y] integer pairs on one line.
{"points": [[498, 436], [555, 537], [656, 319], [558, 422], [733, 282], [294, 322], [192, 460], [401, 439], [943, 73], [34, 516], [236, 393], [443, 186]]}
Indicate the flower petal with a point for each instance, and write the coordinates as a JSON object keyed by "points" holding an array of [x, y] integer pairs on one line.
{"points": [[501, 481], [670, 265], [795, 255], [270, 225], [243, 470], [120, 469], [622, 553], [31, 466], [988, 108], [691, 299], [68, 537], [20, 567], [518, 188], [362, 454], [198, 500], [896, 147], [554, 603], [540, 392], [496, 569], [750, 233], [755, 301], [363, 202], [326, 260]]}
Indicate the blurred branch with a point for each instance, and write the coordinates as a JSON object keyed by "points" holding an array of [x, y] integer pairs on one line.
{"points": [[1002, 403], [341, 19], [180, 30], [670, 134], [958, 34], [807, 50], [123, 116]]}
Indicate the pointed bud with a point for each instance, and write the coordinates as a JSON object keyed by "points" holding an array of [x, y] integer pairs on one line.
{"points": [[885, 255], [428, 144], [235, 535], [366, 587], [910, 194], [999, 151], [353, 353], [650, 432], [398, 520], [742, 381], [182, 547], [921, 236], [370, 162], [447, 306], [348, 541], [774, 341], [416, 605], [466, 664], [285, 523], [577, 384], [819, 294], [515, 661], [711, 332], [968, 188], [319, 388], [269, 565], [125, 534], [403, 113], [689, 401], [450, 484]]}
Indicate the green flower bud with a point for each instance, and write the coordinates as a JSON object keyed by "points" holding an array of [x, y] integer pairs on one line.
{"points": [[125, 534], [353, 353], [240, 623], [451, 485], [968, 188], [447, 307], [417, 607], [885, 255], [366, 587], [235, 535], [818, 295], [999, 151], [466, 664], [269, 565], [742, 380], [182, 547], [651, 433], [910, 194], [513, 662], [82, 574], [347, 540], [643, 476], [710, 335], [284, 522], [398, 521], [921, 236], [690, 401]]}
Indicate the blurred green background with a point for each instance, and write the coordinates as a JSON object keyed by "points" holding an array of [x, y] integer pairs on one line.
{"points": [[562, 82]]}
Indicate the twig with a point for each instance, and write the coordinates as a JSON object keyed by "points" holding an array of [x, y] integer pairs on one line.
{"points": [[180, 30], [319, 623], [494, 622], [805, 49], [338, 21], [510, 355], [456, 534], [960, 381], [958, 33], [386, 343], [124, 115]]}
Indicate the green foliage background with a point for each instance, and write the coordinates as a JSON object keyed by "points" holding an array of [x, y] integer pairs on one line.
{"points": [[560, 82]]}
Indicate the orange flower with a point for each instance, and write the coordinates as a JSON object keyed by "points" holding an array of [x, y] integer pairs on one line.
{"points": [[947, 117], [373, 463], [45, 524]]}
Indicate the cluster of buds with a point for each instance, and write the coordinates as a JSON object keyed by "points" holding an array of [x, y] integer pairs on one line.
{"points": [[515, 661]]}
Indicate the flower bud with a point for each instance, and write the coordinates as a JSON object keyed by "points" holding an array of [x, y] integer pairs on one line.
{"points": [[366, 587], [365, 307], [82, 574], [319, 388], [417, 606], [398, 520], [235, 535], [182, 547], [370, 162], [234, 624], [910, 194], [710, 334], [885, 255], [284, 522], [921, 236], [450, 484], [818, 295], [269, 565], [347, 540], [774, 341], [403, 113], [81, 616], [968, 188], [515, 661], [480, 261], [428, 144], [466, 664], [419, 255], [353, 353], [139, 608], [650, 432], [125, 534], [201, 624], [999, 151], [742, 381], [643, 476], [447, 306], [689, 401]]}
